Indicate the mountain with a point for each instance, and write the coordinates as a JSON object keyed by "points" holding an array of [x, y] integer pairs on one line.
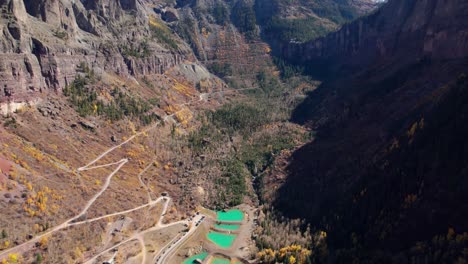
{"points": [[303, 20], [129, 128], [385, 173], [78, 79], [44, 41], [420, 31]]}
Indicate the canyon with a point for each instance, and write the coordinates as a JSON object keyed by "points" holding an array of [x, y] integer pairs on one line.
{"points": [[334, 128]]}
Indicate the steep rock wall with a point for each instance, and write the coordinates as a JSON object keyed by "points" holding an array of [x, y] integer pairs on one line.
{"points": [[44, 41], [400, 30], [387, 74]]}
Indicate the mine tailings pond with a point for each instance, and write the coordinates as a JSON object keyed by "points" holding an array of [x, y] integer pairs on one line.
{"points": [[230, 216], [228, 221], [224, 218], [201, 256], [221, 240], [227, 227], [220, 261]]}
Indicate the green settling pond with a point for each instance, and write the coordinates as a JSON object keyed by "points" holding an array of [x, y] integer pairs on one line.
{"points": [[221, 240], [227, 227], [230, 216], [220, 261], [201, 256]]}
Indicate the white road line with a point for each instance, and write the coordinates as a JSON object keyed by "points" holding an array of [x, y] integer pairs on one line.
{"points": [[24, 246]]}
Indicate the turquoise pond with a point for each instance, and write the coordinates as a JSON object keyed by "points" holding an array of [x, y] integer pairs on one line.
{"points": [[191, 260], [227, 227], [220, 261], [230, 216], [221, 240]]}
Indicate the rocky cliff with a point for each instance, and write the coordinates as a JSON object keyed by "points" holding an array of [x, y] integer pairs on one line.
{"points": [[43, 42], [401, 31], [384, 175]]}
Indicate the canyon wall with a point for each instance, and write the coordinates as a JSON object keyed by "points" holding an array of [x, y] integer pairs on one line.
{"points": [[400, 30], [388, 125], [44, 41]]}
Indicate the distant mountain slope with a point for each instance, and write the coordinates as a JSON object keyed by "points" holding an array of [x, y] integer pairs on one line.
{"points": [[44, 41], [388, 165], [400, 31], [303, 20]]}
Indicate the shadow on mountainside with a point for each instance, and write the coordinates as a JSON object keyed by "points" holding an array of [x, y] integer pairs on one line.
{"points": [[386, 175], [388, 166]]}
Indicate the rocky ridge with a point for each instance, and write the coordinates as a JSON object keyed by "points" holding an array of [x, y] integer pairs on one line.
{"points": [[44, 41], [425, 28]]}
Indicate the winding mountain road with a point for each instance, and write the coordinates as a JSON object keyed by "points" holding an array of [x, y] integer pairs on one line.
{"points": [[30, 244], [172, 247]]}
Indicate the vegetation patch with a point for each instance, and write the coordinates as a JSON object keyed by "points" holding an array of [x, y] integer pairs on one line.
{"points": [[245, 19], [162, 33], [241, 118], [141, 51], [221, 14], [301, 29], [221, 69], [85, 99], [232, 183]]}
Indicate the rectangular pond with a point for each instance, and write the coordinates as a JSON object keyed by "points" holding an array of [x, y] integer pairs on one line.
{"points": [[230, 216], [220, 261], [221, 240], [192, 259], [227, 227]]}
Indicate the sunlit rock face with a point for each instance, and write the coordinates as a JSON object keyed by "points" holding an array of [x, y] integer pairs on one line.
{"points": [[423, 28], [43, 41]]}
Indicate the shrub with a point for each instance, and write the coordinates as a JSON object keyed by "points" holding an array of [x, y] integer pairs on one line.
{"points": [[86, 101], [245, 19], [240, 118]]}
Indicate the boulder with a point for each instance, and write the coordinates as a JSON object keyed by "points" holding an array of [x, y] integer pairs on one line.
{"points": [[88, 125], [170, 15]]}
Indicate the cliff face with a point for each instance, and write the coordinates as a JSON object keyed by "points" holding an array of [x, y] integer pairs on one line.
{"points": [[386, 168], [405, 40], [399, 31], [304, 20], [43, 42]]}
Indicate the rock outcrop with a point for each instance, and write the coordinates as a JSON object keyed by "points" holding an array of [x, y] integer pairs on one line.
{"points": [[170, 15], [43, 42], [400, 30]]}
